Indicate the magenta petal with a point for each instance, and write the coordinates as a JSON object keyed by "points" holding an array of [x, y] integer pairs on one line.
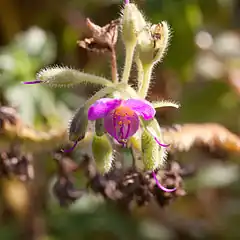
{"points": [[102, 107], [141, 107], [161, 186], [32, 82], [156, 139], [129, 126], [161, 144], [72, 148]]}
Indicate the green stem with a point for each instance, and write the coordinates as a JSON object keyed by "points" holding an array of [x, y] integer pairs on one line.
{"points": [[140, 73], [101, 93], [146, 81], [128, 62], [114, 66]]}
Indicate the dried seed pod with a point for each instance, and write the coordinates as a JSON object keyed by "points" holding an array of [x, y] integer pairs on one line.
{"points": [[102, 153]]}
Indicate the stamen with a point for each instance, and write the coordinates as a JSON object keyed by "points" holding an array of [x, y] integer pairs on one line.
{"points": [[161, 186], [115, 124], [121, 133], [32, 82], [72, 148], [128, 129]]}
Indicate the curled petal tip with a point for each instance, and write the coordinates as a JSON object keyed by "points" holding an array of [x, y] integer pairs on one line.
{"points": [[32, 82], [126, 1], [161, 144], [72, 148], [161, 186]]}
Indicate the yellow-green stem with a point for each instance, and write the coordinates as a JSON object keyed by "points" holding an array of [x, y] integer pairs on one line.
{"points": [[146, 80], [121, 87], [101, 93], [128, 62], [140, 73], [114, 66]]}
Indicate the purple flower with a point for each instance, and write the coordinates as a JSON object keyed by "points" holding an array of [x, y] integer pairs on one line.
{"points": [[121, 117], [121, 120]]}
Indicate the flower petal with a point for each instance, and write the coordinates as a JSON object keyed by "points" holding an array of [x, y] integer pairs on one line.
{"points": [[161, 186], [156, 139], [121, 128], [72, 148], [102, 107], [32, 82], [141, 107]]}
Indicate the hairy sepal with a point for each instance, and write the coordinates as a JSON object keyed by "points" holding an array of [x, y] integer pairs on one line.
{"points": [[67, 77], [165, 103], [150, 151], [152, 128], [78, 125], [103, 153]]}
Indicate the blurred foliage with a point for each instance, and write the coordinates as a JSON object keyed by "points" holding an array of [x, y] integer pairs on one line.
{"points": [[201, 70]]}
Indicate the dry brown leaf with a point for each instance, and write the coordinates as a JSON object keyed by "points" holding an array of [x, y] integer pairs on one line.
{"points": [[103, 38], [213, 135]]}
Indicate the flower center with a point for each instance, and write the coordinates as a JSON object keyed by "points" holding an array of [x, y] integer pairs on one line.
{"points": [[122, 122], [124, 111]]}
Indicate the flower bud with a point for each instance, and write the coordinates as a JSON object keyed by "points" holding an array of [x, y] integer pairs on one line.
{"points": [[150, 151], [153, 155], [99, 127], [102, 153], [132, 23], [78, 125], [67, 77], [152, 43]]}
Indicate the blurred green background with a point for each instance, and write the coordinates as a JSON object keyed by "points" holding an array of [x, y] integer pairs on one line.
{"points": [[201, 71]]}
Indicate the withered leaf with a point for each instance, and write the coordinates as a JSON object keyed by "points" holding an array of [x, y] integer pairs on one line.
{"points": [[103, 39]]}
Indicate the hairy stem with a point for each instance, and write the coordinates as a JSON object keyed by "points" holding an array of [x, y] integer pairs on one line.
{"points": [[114, 66], [146, 81], [120, 87], [101, 93], [128, 62], [140, 73]]}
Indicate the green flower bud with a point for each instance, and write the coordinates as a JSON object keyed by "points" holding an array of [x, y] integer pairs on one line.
{"points": [[152, 43], [99, 127], [102, 153], [150, 151], [67, 77], [132, 23], [153, 155], [78, 125]]}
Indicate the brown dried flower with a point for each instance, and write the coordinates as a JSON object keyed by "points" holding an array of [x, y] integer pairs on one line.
{"points": [[103, 38]]}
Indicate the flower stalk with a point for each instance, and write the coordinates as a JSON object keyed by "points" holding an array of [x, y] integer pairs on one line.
{"points": [[147, 72]]}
